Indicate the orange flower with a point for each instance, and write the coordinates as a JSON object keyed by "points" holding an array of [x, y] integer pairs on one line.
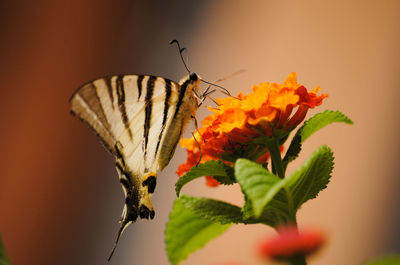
{"points": [[291, 243], [267, 111]]}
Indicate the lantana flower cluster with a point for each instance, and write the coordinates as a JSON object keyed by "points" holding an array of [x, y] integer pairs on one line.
{"points": [[271, 110]]}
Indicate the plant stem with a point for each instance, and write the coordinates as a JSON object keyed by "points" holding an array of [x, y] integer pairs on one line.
{"points": [[298, 260], [276, 158], [277, 166]]}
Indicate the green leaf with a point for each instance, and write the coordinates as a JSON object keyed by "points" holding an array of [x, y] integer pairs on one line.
{"points": [[214, 210], [225, 213], [271, 214], [228, 157], [221, 172], [186, 232], [290, 193], [228, 179], [294, 149], [247, 210], [320, 120], [4, 260], [309, 127], [387, 260], [312, 177], [258, 184]]}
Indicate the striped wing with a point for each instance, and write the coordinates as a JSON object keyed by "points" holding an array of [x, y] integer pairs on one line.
{"points": [[140, 120], [130, 114]]}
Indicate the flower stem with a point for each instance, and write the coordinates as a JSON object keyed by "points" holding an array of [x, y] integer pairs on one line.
{"points": [[298, 260], [276, 158], [277, 167]]}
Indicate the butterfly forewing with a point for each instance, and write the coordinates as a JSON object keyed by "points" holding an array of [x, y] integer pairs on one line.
{"points": [[133, 110], [87, 105]]}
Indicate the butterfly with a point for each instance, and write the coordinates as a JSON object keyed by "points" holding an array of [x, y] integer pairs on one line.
{"points": [[139, 119]]}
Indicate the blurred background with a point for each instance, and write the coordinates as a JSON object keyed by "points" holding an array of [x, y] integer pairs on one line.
{"points": [[60, 199]]}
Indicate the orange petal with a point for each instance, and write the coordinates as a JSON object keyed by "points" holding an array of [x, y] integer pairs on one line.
{"points": [[291, 81]]}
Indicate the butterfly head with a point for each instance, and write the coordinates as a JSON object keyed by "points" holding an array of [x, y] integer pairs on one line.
{"points": [[194, 77], [191, 84]]}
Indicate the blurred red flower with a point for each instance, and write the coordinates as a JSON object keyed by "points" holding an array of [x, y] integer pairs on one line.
{"points": [[291, 243]]}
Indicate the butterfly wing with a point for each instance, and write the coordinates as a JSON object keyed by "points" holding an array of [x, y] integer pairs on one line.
{"points": [[131, 114], [139, 119]]}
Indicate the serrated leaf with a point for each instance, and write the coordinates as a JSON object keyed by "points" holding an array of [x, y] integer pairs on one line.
{"points": [[312, 177], [302, 185], [320, 120], [214, 210], [4, 260], [229, 179], [277, 211], [293, 151], [258, 184], [225, 213], [221, 171], [186, 232], [230, 157], [388, 260], [309, 127], [247, 210], [270, 215]]}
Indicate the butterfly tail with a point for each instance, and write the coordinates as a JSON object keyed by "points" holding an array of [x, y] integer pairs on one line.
{"points": [[124, 224]]}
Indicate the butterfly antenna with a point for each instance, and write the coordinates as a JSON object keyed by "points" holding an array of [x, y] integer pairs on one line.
{"points": [[205, 95], [124, 224], [213, 100], [180, 52], [231, 75], [224, 90]]}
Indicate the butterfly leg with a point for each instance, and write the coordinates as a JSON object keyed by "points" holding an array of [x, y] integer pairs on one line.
{"points": [[197, 129], [206, 95], [196, 126], [198, 162]]}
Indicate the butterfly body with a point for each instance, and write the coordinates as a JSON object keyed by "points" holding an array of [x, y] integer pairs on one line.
{"points": [[139, 119]]}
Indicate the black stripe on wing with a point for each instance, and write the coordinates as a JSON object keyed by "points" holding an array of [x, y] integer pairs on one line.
{"points": [[181, 96], [148, 110], [139, 85], [91, 97], [106, 145], [168, 92], [118, 153], [171, 153], [121, 103], [176, 122], [88, 93], [107, 81]]}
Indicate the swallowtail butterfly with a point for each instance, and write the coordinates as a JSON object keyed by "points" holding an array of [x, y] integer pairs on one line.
{"points": [[139, 119]]}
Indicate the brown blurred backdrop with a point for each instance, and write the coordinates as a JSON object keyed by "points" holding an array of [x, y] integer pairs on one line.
{"points": [[60, 199]]}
